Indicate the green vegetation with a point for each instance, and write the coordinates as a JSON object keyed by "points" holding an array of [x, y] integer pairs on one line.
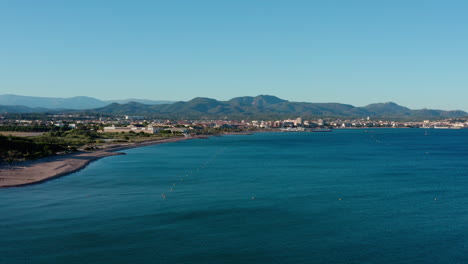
{"points": [[20, 148], [132, 136], [63, 140], [56, 140], [25, 128]]}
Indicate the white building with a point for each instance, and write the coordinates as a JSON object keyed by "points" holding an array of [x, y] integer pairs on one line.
{"points": [[149, 129]]}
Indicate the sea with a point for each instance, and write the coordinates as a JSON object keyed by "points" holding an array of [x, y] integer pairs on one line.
{"points": [[347, 196]]}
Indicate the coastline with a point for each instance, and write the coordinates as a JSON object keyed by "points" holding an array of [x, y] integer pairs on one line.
{"points": [[49, 168]]}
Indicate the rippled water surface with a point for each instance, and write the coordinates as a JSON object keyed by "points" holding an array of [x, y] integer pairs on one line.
{"points": [[349, 196]]}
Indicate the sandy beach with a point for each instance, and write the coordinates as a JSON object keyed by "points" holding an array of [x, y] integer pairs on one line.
{"points": [[37, 171]]}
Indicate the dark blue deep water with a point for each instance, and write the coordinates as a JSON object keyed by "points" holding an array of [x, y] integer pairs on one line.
{"points": [[349, 196]]}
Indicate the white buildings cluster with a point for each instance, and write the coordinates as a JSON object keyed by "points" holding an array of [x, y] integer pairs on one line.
{"points": [[138, 124], [137, 129]]}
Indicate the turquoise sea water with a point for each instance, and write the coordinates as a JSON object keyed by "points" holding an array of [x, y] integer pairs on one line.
{"points": [[350, 196]]}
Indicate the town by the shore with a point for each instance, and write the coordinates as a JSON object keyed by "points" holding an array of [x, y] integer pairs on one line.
{"points": [[67, 134]]}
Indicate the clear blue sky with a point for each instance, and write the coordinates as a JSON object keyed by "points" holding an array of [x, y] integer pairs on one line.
{"points": [[414, 53]]}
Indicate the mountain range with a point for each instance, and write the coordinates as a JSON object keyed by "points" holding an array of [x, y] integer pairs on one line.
{"points": [[247, 107], [77, 102]]}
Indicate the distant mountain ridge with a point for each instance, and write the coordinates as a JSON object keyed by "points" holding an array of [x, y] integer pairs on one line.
{"points": [[77, 102], [141, 101], [21, 109], [247, 107], [267, 106]]}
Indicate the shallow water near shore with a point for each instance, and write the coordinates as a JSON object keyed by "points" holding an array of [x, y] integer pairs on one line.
{"points": [[349, 196]]}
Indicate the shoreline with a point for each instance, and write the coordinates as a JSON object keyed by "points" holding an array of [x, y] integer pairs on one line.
{"points": [[49, 168]]}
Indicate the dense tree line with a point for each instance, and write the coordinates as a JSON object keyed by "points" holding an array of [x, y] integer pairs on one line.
{"points": [[20, 148]]}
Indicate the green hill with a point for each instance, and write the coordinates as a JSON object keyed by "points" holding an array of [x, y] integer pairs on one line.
{"points": [[267, 106]]}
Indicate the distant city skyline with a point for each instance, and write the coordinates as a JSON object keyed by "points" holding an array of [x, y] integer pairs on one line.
{"points": [[358, 52]]}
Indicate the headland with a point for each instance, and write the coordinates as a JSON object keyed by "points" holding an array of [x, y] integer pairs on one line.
{"points": [[45, 169]]}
